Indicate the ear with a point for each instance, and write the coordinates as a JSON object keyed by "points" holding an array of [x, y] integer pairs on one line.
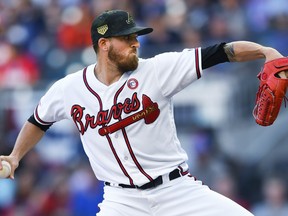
{"points": [[103, 44]]}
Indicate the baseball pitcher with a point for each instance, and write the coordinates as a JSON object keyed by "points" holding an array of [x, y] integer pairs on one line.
{"points": [[122, 108]]}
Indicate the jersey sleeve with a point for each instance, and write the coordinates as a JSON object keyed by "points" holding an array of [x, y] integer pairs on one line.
{"points": [[213, 55], [176, 70], [51, 106], [32, 120]]}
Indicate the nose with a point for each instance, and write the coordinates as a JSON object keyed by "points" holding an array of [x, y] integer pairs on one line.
{"points": [[135, 43]]}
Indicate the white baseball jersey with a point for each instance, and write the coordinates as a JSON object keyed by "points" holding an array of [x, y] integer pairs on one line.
{"points": [[127, 128]]}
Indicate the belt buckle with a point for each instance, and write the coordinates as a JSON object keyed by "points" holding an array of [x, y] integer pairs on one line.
{"points": [[156, 182]]}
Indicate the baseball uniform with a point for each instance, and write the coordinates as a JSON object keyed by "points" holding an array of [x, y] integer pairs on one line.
{"points": [[128, 131], [129, 135]]}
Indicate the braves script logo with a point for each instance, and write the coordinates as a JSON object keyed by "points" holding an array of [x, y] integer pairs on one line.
{"points": [[149, 113]]}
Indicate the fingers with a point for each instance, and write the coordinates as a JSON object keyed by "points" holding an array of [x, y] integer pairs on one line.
{"points": [[13, 163]]}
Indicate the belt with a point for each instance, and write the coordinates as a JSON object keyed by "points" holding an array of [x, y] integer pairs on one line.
{"points": [[154, 183]]}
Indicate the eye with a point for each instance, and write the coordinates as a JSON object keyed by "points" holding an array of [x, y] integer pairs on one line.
{"points": [[127, 37], [130, 37]]}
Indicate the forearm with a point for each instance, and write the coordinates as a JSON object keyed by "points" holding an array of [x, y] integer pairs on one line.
{"points": [[241, 51], [28, 137]]}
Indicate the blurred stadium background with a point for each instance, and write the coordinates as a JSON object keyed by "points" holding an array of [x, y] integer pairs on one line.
{"points": [[44, 40]]}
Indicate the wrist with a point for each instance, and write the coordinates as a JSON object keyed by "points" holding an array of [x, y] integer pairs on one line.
{"points": [[271, 53], [15, 156]]}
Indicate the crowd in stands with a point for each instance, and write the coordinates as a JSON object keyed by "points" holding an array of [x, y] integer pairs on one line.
{"points": [[44, 40]]}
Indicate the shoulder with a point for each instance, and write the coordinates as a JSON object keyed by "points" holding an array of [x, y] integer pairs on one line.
{"points": [[75, 76], [79, 75], [70, 80], [171, 55]]}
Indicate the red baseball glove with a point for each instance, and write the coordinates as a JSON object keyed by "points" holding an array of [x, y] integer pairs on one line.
{"points": [[271, 92]]}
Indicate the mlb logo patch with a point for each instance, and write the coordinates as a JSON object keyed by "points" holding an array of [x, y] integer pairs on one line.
{"points": [[102, 29]]}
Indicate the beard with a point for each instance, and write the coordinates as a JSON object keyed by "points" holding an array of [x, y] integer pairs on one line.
{"points": [[123, 63]]}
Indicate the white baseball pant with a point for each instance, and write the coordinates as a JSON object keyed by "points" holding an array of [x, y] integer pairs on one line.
{"points": [[183, 196]]}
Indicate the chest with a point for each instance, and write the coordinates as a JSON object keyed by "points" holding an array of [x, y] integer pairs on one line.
{"points": [[115, 107]]}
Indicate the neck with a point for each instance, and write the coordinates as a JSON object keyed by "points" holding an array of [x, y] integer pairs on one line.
{"points": [[107, 72]]}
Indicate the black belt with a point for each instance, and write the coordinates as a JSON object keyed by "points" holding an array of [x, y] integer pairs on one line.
{"points": [[152, 184]]}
